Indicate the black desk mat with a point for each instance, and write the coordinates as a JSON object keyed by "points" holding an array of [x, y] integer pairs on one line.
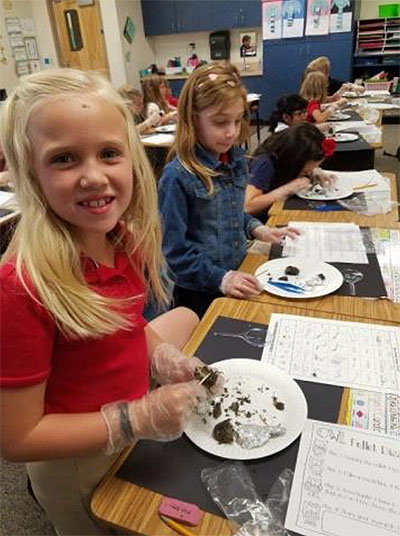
{"points": [[357, 145], [297, 203], [173, 469], [372, 284]]}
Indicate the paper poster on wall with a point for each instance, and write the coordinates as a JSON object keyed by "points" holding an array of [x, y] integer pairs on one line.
{"points": [[28, 26], [341, 16], [293, 18], [318, 12], [272, 19]]}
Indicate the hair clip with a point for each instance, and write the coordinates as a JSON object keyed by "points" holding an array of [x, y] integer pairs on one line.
{"points": [[212, 76], [231, 83], [328, 146]]}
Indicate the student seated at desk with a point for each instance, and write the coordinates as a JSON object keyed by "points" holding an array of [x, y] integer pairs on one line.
{"points": [[77, 356], [284, 164], [313, 89], [335, 87], [201, 192], [155, 93], [134, 100], [290, 110]]}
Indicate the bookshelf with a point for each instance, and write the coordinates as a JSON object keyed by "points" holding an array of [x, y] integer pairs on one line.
{"points": [[377, 47]]}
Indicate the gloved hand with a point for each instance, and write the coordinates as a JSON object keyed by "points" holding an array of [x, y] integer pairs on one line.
{"points": [[153, 120], [161, 415], [324, 178], [239, 285], [292, 187], [169, 365], [268, 234]]}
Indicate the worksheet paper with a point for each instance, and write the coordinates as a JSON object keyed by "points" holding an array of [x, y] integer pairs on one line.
{"points": [[368, 180], [348, 354], [159, 139], [387, 247], [6, 198], [377, 412], [329, 242], [346, 483]]}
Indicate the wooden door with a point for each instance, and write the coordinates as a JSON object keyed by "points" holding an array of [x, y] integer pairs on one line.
{"points": [[79, 35]]}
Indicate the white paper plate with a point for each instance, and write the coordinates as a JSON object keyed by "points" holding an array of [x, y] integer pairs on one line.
{"points": [[308, 268], [166, 128], [251, 378], [338, 193], [351, 94], [339, 117], [341, 137]]}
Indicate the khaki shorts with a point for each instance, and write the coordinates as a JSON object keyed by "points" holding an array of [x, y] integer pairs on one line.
{"points": [[64, 489]]}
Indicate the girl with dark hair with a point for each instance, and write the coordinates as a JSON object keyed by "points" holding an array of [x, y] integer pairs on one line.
{"points": [[284, 164], [290, 110]]}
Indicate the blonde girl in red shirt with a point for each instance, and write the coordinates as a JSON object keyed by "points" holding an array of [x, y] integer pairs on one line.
{"points": [[77, 355], [314, 90]]}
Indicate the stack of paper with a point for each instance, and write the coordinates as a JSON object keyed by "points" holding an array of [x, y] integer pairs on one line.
{"points": [[368, 180], [329, 242]]}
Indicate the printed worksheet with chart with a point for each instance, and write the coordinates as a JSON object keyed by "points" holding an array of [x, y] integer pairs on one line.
{"points": [[329, 242], [346, 483], [369, 410], [348, 354]]}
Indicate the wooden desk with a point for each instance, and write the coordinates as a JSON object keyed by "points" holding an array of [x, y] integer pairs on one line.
{"points": [[131, 508], [380, 309], [279, 216]]}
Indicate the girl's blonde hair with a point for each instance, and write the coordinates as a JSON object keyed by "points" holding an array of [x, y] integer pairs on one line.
{"points": [[215, 84], [151, 91], [46, 250], [128, 93], [321, 63], [314, 87]]}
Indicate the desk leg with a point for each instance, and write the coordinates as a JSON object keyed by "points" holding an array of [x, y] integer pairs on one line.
{"points": [[258, 126]]}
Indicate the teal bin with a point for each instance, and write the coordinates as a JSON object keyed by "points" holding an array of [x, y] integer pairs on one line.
{"points": [[389, 10]]}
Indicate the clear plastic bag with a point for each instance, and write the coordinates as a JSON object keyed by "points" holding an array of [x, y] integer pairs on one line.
{"points": [[369, 204], [233, 490]]}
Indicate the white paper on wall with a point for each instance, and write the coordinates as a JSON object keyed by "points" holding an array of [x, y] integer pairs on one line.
{"points": [[318, 12], [272, 19], [341, 16], [293, 12]]}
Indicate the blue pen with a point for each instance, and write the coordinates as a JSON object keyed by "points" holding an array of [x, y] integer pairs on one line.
{"points": [[288, 287]]}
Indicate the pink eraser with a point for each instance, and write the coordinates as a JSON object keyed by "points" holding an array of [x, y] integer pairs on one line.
{"points": [[184, 512]]}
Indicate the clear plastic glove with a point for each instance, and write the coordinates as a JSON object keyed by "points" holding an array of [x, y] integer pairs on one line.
{"points": [[169, 365], [153, 120], [170, 117], [292, 187], [239, 285], [161, 415], [341, 102], [274, 235], [325, 178]]}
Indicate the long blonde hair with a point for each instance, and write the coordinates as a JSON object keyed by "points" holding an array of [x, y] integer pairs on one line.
{"points": [[152, 93], [314, 87], [215, 84], [46, 250], [321, 63]]}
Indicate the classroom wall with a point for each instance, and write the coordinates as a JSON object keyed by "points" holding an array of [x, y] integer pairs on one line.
{"points": [[140, 53], [168, 46], [369, 8]]}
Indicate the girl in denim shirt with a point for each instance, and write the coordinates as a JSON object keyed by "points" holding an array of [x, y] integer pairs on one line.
{"points": [[201, 192]]}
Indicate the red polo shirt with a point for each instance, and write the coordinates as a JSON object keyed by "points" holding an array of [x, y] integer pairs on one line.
{"points": [[82, 374], [311, 107]]}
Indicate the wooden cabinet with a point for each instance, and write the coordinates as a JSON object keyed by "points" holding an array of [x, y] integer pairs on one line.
{"points": [[162, 17]]}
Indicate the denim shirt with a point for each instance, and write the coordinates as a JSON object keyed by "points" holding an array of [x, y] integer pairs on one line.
{"points": [[204, 235]]}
